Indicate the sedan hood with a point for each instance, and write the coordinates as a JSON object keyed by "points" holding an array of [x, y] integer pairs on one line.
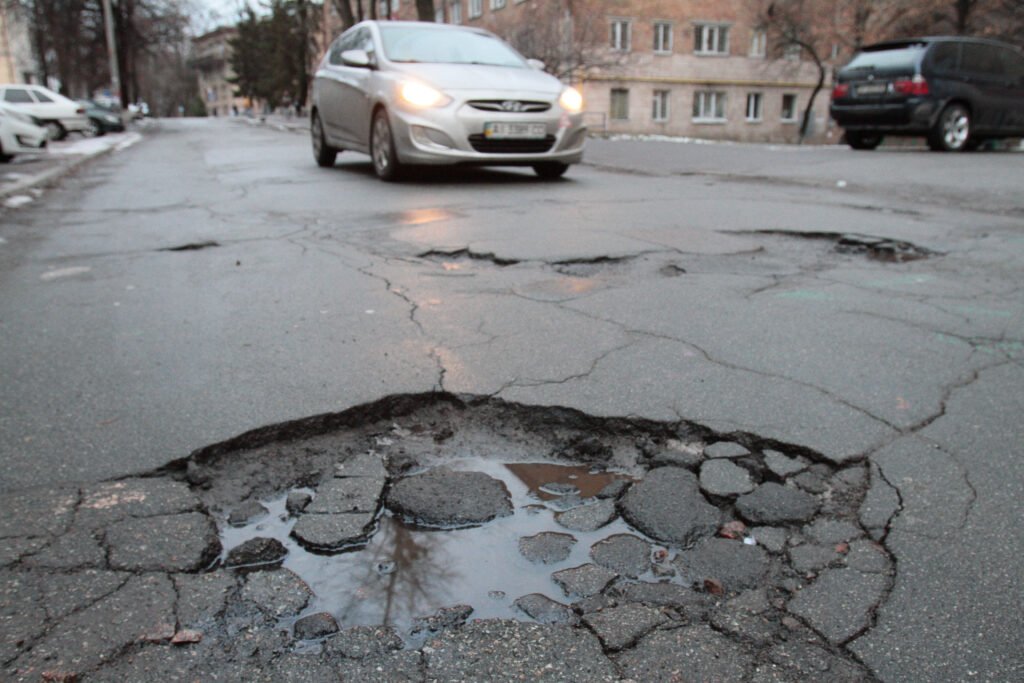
{"points": [[453, 77]]}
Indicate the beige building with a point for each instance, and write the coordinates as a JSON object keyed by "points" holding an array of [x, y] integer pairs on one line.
{"points": [[211, 57], [695, 68], [17, 62]]}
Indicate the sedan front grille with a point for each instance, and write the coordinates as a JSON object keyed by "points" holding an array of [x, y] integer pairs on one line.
{"points": [[511, 106], [507, 146]]}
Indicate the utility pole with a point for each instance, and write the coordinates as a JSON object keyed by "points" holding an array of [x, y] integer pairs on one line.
{"points": [[115, 74]]}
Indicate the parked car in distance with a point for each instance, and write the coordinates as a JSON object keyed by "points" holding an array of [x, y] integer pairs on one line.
{"points": [[19, 134], [956, 91], [58, 114], [415, 93], [102, 120]]}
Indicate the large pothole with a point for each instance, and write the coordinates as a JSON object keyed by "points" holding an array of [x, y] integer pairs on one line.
{"points": [[436, 537]]}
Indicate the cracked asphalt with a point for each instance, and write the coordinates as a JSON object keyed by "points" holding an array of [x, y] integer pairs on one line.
{"points": [[661, 281]]}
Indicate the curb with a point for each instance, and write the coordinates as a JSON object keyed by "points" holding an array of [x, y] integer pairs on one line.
{"points": [[52, 175]]}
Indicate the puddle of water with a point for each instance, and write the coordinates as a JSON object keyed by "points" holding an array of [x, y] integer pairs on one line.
{"points": [[406, 572]]}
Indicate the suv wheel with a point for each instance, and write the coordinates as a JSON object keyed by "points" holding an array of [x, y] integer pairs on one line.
{"points": [[863, 140], [952, 131]]}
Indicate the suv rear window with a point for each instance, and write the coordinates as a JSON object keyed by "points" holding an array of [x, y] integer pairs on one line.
{"points": [[888, 59]]}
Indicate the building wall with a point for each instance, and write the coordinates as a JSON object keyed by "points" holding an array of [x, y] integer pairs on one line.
{"points": [[212, 60], [681, 71], [17, 62]]}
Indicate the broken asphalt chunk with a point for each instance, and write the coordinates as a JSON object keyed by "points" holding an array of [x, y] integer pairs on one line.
{"points": [[544, 610], [315, 626], [546, 547], [736, 565], [583, 581], [171, 543], [667, 505], [333, 532], [838, 605], [724, 478], [588, 517], [624, 554], [772, 503], [278, 593], [257, 551], [445, 498], [620, 627], [695, 653], [725, 449]]}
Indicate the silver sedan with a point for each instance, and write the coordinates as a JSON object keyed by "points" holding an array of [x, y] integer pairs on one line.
{"points": [[411, 93]]}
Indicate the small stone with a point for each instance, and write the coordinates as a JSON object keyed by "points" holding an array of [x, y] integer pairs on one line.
{"points": [[624, 554], [246, 513], [736, 565], [725, 449], [614, 489], [667, 505], [772, 538], [545, 610], [446, 498], [361, 465], [315, 626], [583, 581], [735, 530], [620, 627], [772, 503], [331, 532], [257, 551], [724, 478], [827, 531], [811, 558], [782, 465], [187, 636], [714, 587], [546, 547], [59, 676], [297, 501], [810, 482], [587, 518], [441, 620], [159, 633]]}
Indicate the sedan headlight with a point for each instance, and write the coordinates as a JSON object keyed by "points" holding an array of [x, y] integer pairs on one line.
{"points": [[421, 95], [571, 100]]}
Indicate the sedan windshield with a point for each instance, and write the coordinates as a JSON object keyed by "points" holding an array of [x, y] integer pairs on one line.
{"points": [[438, 46]]}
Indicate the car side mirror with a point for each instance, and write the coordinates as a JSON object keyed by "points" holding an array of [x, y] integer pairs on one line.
{"points": [[536, 64], [357, 58]]}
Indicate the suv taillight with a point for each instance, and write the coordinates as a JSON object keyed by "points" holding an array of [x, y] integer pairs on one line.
{"points": [[80, 110], [841, 90], [915, 86]]}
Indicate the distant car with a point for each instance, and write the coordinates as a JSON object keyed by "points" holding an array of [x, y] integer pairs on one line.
{"points": [[19, 134], [102, 119], [957, 91], [58, 114], [409, 93]]}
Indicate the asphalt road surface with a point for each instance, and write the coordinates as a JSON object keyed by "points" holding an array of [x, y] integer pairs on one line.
{"points": [[211, 279]]}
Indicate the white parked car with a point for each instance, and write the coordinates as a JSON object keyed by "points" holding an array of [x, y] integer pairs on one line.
{"points": [[56, 113], [19, 134]]}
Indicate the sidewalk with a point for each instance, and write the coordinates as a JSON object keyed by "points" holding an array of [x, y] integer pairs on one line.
{"points": [[293, 124], [22, 181]]}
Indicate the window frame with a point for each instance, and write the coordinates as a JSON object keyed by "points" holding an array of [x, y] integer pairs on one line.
{"points": [[497, 4], [661, 105], [623, 94], [758, 43], [794, 117], [718, 101], [455, 11], [758, 98], [718, 29], [476, 9], [669, 33], [615, 38]]}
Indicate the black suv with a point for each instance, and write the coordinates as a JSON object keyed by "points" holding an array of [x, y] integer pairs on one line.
{"points": [[958, 92]]}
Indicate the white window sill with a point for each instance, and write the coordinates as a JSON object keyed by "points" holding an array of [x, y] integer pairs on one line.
{"points": [[711, 121], [711, 54], [755, 120], [790, 121], [663, 53]]}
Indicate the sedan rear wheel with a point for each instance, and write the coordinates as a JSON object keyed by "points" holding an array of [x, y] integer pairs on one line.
{"points": [[952, 132], [93, 129], [324, 154], [382, 148]]}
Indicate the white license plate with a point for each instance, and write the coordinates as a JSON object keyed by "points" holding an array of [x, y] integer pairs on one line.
{"points": [[872, 89], [518, 131]]}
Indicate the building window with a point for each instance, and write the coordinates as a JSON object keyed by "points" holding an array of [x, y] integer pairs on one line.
{"points": [[759, 44], [755, 106], [789, 108], [497, 4], [662, 37], [621, 35], [476, 8], [792, 52], [711, 39], [455, 12], [659, 106], [709, 106], [620, 104]]}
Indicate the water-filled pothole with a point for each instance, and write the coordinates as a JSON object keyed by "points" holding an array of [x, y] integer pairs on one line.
{"points": [[405, 572]]}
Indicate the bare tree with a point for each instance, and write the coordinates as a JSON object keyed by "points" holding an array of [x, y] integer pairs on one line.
{"points": [[570, 39]]}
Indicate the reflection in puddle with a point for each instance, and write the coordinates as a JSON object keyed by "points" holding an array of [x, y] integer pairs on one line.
{"points": [[405, 572], [423, 216]]}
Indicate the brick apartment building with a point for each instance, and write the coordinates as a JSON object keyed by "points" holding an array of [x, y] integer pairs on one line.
{"points": [[697, 68], [211, 58]]}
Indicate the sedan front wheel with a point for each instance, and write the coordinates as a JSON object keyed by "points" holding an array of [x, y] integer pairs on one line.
{"points": [[382, 148], [324, 154]]}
